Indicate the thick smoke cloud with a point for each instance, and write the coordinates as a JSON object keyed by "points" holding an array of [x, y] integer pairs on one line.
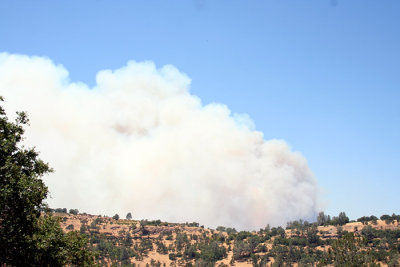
{"points": [[139, 141]]}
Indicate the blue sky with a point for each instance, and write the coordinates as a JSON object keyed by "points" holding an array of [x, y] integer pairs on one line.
{"points": [[322, 75]]}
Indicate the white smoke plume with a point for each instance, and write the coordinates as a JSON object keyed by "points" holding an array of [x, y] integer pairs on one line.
{"points": [[139, 141]]}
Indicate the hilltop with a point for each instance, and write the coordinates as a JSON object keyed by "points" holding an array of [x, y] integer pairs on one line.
{"points": [[123, 242]]}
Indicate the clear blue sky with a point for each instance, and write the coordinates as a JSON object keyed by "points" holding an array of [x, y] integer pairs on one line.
{"points": [[323, 75]]}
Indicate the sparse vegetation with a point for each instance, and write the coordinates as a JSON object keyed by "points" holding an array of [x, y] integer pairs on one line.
{"points": [[302, 243]]}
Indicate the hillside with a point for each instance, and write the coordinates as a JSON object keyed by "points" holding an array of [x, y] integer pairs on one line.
{"points": [[155, 243]]}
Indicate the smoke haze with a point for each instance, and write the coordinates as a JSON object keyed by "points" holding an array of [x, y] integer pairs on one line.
{"points": [[138, 141]]}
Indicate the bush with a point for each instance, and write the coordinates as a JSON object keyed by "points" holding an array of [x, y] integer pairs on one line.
{"points": [[172, 256], [74, 211]]}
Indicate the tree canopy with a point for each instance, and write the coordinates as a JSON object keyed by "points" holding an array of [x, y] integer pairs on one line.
{"points": [[26, 237]]}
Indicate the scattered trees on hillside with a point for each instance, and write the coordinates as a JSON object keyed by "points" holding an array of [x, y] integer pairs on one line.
{"points": [[350, 251], [342, 219], [302, 245], [323, 219], [366, 219], [59, 210], [389, 219]]}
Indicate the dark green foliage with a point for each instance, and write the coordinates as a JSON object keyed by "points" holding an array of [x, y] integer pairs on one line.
{"points": [[299, 225], [230, 231], [340, 232], [389, 219], [21, 192], [181, 241], [396, 217], [154, 263], [83, 228], [279, 252], [191, 252], [212, 252], [108, 249], [313, 239], [275, 231], [241, 250], [193, 224], [77, 250], [262, 248], [221, 228], [26, 238], [259, 261], [369, 233], [254, 241], [242, 235], [342, 219], [169, 237], [161, 248], [350, 251], [153, 223], [172, 256], [94, 224], [282, 241], [323, 219], [50, 242], [366, 219], [145, 246], [59, 210], [127, 241], [394, 261], [203, 263], [129, 216], [385, 238], [386, 218], [74, 211], [307, 261], [116, 217]]}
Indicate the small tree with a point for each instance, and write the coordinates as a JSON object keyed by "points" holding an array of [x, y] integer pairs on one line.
{"points": [[387, 218], [129, 216], [116, 217], [343, 219], [74, 211], [321, 219], [350, 251]]}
